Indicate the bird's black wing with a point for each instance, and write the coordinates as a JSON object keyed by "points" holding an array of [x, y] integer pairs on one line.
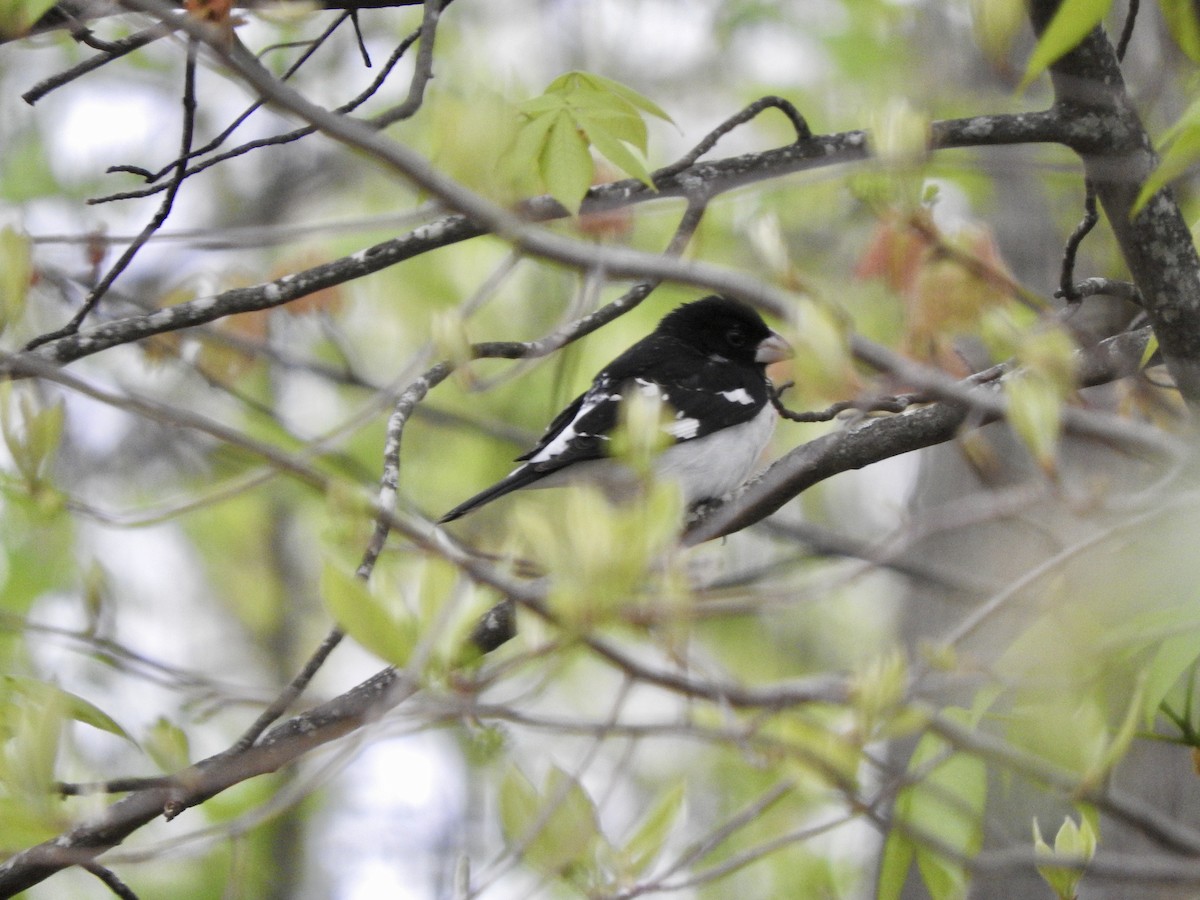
{"points": [[706, 394], [580, 432]]}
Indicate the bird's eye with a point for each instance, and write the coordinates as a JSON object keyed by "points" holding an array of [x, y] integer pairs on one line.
{"points": [[735, 338]]}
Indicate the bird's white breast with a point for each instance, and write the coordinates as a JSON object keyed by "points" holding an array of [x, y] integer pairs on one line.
{"points": [[712, 466]]}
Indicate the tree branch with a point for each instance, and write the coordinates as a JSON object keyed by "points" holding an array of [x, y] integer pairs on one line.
{"points": [[1118, 157]]}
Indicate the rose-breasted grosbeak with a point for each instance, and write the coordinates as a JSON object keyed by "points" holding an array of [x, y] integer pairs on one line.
{"points": [[707, 362]]}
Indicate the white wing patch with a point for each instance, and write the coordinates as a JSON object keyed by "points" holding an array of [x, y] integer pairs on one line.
{"points": [[649, 388], [562, 440], [682, 428], [738, 395]]}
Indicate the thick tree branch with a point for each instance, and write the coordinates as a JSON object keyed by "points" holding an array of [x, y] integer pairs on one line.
{"points": [[883, 438], [1118, 156]]}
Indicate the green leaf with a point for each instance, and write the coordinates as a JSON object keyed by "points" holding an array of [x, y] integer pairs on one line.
{"points": [[72, 705], [23, 824], [363, 616], [614, 116], [16, 269], [1184, 25], [612, 149], [1073, 842], [947, 803], [17, 16], [565, 164], [1172, 658], [167, 744], [556, 829], [1181, 153], [898, 853], [600, 83], [651, 833], [1148, 353], [1070, 25], [1035, 413]]}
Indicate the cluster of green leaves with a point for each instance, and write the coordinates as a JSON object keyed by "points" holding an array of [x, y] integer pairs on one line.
{"points": [[604, 558], [579, 111], [944, 803], [556, 830]]}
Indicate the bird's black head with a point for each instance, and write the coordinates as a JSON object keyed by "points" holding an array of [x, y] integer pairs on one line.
{"points": [[724, 327]]}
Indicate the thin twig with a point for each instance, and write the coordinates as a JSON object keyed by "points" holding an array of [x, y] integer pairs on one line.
{"points": [[111, 881], [803, 132], [1066, 280], [1127, 30], [1124, 290], [312, 47], [116, 49], [275, 140], [358, 37], [289, 694], [422, 69], [872, 404], [164, 209], [110, 786]]}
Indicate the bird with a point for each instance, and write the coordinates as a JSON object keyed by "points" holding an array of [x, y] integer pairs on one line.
{"points": [[706, 361]]}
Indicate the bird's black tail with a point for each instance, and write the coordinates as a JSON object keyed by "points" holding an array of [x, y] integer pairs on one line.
{"points": [[518, 478]]}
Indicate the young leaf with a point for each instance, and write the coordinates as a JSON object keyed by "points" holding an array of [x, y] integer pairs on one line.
{"points": [[612, 148], [947, 803], [996, 24], [24, 824], [642, 102], [167, 744], [16, 269], [1183, 21], [1072, 22], [555, 828], [647, 840], [362, 616], [1035, 412], [71, 705], [17, 16], [577, 111], [898, 853], [1148, 353], [1173, 657], [1181, 153], [1072, 842], [613, 115], [565, 163]]}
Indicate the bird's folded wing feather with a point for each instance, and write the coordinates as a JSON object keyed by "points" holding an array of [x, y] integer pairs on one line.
{"points": [[702, 399]]}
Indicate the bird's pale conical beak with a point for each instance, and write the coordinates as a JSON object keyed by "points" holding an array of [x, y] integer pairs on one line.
{"points": [[773, 349]]}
